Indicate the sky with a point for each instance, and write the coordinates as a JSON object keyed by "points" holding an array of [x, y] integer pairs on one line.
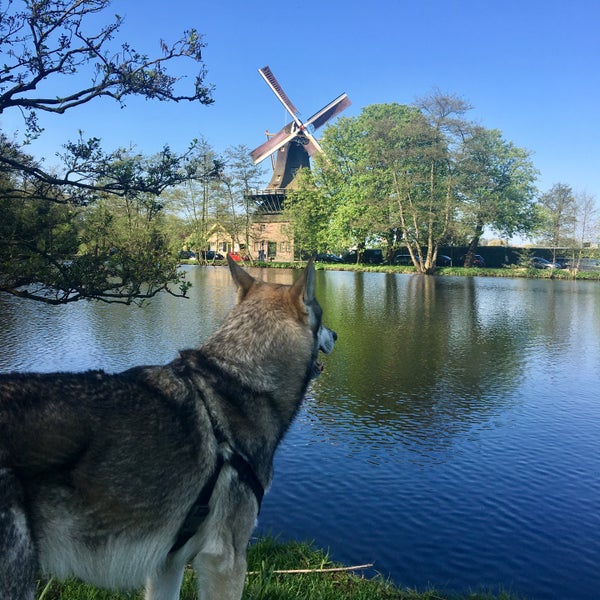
{"points": [[529, 68]]}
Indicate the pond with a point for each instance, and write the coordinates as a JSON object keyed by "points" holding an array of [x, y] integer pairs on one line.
{"points": [[453, 438]]}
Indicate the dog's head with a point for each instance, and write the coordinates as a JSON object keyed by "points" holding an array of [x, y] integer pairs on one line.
{"points": [[302, 292]]}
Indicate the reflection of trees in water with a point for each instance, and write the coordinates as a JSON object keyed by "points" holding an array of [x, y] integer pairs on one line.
{"points": [[418, 358], [421, 358], [92, 335]]}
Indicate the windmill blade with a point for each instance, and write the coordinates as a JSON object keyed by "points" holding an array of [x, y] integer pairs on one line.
{"points": [[312, 147], [273, 144], [328, 112], [268, 76]]}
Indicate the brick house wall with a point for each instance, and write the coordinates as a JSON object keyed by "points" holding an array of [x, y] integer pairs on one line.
{"points": [[271, 240]]}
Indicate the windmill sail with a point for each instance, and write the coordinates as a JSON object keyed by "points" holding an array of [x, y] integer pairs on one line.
{"points": [[272, 144], [278, 90], [328, 112], [296, 132]]}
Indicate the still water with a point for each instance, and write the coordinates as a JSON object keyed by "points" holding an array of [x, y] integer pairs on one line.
{"points": [[453, 439]]}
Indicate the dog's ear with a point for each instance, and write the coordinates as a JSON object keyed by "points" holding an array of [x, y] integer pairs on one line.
{"points": [[242, 280], [304, 286]]}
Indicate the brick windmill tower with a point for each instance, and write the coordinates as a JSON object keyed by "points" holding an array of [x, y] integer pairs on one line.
{"points": [[294, 144]]}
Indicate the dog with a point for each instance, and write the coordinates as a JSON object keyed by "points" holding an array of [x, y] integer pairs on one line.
{"points": [[123, 479]]}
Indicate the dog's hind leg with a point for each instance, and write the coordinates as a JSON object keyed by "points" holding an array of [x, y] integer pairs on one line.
{"points": [[216, 582], [17, 551], [166, 585]]}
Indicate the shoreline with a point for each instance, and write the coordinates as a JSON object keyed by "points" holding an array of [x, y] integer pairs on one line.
{"points": [[512, 271]]}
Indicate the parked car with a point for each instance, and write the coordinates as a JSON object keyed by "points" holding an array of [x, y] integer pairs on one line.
{"points": [[186, 254], [537, 262], [587, 264], [405, 259], [370, 256], [478, 261], [328, 257], [402, 259], [211, 255], [564, 262], [581, 264]]}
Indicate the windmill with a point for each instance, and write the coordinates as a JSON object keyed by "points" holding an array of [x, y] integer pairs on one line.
{"points": [[294, 144]]}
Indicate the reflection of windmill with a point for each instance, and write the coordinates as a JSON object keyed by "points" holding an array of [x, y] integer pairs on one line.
{"points": [[294, 145]]}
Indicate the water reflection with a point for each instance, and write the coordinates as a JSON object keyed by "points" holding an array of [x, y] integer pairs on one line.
{"points": [[419, 358]]}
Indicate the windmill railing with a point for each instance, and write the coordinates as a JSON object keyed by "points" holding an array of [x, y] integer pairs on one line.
{"points": [[266, 192]]}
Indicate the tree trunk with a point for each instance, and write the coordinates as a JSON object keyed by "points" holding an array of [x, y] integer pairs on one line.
{"points": [[473, 245]]}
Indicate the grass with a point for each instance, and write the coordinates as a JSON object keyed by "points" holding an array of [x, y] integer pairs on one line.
{"points": [[267, 556], [511, 271]]}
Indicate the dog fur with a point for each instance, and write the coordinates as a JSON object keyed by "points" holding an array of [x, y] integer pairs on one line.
{"points": [[100, 474]]}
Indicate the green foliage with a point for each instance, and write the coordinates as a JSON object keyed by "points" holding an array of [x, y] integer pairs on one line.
{"points": [[389, 168], [217, 198], [416, 177], [308, 211], [114, 249], [497, 185], [558, 208], [57, 253]]}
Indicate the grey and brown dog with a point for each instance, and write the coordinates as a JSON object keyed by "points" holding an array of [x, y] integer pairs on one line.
{"points": [[122, 479]]}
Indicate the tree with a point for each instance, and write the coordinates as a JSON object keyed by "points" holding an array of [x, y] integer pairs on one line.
{"points": [[410, 152], [113, 249], [198, 198], [356, 188], [308, 211], [390, 171], [496, 187], [434, 202], [44, 43], [242, 175], [587, 222], [558, 214], [586, 228], [414, 175]]}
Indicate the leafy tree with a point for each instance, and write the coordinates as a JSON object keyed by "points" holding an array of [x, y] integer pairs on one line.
{"points": [[496, 187], [416, 175], [240, 177], [44, 44], [431, 200], [113, 249], [199, 199], [405, 173], [586, 228], [559, 216], [308, 210], [356, 190]]}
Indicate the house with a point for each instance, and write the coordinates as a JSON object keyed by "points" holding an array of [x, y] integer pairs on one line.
{"points": [[270, 237]]}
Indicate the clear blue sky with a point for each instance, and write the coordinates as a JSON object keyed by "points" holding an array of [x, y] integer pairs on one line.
{"points": [[529, 68]]}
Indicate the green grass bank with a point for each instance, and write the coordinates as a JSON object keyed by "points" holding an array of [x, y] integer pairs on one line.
{"points": [[266, 558], [511, 271]]}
